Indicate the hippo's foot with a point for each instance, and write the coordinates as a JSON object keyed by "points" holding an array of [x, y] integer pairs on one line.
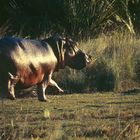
{"points": [[44, 100], [61, 90], [11, 97]]}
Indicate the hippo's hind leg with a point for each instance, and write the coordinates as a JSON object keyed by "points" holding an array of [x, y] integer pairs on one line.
{"points": [[7, 90], [12, 80]]}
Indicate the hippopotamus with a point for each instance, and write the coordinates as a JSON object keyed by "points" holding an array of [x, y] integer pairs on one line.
{"points": [[27, 62]]}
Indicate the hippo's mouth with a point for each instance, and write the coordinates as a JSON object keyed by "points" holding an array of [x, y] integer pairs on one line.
{"points": [[80, 61]]}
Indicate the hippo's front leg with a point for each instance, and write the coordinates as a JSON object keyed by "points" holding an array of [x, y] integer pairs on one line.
{"points": [[41, 88], [53, 83]]}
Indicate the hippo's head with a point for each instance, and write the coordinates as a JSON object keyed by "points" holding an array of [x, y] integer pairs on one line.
{"points": [[68, 53], [74, 57]]}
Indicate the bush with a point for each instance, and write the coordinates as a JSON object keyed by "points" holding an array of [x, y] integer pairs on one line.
{"points": [[79, 18], [117, 64], [100, 77], [71, 80]]}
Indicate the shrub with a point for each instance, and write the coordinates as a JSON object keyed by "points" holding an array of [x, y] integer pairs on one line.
{"points": [[115, 63], [100, 77]]}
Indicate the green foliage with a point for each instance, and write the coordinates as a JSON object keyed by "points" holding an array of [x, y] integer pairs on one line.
{"points": [[83, 19]]}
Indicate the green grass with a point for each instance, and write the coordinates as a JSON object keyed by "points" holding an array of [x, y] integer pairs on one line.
{"points": [[97, 116]]}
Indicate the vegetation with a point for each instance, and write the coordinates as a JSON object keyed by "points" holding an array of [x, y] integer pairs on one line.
{"points": [[72, 117], [83, 19], [108, 30], [115, 66]]}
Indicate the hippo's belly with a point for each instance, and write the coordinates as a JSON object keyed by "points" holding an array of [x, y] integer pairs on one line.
{"points": [[34, 74], [31, 79], [27, 77]]}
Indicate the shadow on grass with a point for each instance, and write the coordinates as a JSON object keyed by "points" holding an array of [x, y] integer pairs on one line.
{"points": [[128, 102], [96, 106], [91, 133], [131, 92]]}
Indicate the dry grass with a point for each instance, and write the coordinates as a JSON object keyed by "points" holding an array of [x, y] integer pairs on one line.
{"points": [[115, 65], [97, 116]]}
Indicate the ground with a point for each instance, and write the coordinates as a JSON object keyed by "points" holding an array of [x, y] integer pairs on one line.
{"points": [[93, 116]]}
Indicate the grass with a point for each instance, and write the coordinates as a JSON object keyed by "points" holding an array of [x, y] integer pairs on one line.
{"points": [[115, 65], [97, 116]]}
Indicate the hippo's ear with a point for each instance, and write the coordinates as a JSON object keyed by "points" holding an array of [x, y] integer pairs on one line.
{"points": [[67, 41]]}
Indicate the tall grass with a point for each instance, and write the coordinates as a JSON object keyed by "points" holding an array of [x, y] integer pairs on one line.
{"points": [[73, 17], [115, 66]]}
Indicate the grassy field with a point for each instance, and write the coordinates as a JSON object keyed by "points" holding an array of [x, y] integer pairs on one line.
{"points": [[97, 116]]}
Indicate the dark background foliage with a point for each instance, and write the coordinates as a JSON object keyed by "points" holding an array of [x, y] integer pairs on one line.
{"points": [[79, 18]]}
